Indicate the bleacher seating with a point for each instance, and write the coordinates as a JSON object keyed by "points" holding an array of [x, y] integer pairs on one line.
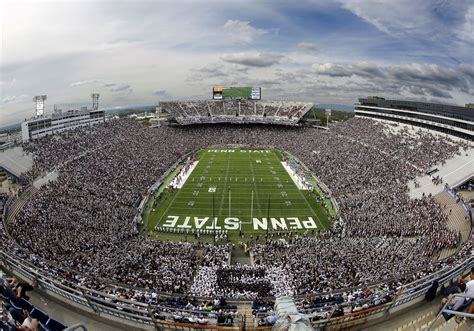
{"points": [[19, 304], [236, 111], [225, 315], [426, 322], [457, 220]]}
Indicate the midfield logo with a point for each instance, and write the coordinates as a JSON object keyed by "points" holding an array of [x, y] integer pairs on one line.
{"points": [[232, 223], [240, 151]]}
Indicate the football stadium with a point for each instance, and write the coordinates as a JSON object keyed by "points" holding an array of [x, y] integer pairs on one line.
{"points": [[217, 221], [247, 208]]}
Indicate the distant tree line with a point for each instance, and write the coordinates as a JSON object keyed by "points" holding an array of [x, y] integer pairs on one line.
{"points": [[319, 115]]}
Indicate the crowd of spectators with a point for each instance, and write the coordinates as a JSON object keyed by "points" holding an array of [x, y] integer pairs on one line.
{"points": [[17, 313], [241, 281], [236, 111], [80, 226], [458, 296]]}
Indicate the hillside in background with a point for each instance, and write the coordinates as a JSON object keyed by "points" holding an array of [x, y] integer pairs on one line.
{"points": [[10, 128], [335, 106], [127, 110], [319, 115]]}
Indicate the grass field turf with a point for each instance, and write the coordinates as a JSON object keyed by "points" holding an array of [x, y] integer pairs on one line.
{"points": [[235, 174]]}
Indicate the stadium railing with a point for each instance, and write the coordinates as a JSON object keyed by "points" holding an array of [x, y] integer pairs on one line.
{"points": [[138, 313], [408, 295], [448, 313], [104, 305]]}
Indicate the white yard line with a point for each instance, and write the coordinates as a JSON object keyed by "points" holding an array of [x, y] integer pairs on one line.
{"points": [[254, 185], [225, 184]]}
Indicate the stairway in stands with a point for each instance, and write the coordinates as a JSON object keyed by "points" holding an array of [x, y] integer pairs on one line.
{"points": [[239, 256], [458, 220], [245, 308], [423, 322], [20, 203]]}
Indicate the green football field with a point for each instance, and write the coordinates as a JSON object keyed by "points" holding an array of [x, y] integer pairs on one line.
{"points": [[240, 188]]}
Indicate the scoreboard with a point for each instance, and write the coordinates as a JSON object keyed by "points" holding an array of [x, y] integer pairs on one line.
{"points": [[246, 93]]}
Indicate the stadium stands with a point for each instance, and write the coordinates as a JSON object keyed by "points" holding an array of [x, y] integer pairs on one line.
{"points": [[457, 220], [236, 111], [79, 228], [19, 309], [454, 120]]}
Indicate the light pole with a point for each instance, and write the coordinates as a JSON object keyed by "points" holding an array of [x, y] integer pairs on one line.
{"points": [[95, 101], [328, 114], [39, 100]]}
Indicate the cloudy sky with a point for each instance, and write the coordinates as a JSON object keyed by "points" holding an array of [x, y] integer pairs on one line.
{"points": [[136, 52]]}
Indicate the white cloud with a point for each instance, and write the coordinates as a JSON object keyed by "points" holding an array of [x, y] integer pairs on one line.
{"points": [[242, 31], [253, 59], [85, 82], [466, 31], [468, 71], [5, 82], [119, 87], [112, 87], [394, 17], [333, 70], [182, 50], [363, 69], [429, 80], [159, 92], [14, 98], [8, 99], [309, 47]]}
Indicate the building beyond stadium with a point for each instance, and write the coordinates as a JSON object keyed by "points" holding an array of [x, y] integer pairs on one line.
{"points": [[38, 127], [454, 120]]}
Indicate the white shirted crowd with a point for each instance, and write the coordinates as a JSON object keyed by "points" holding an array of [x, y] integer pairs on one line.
{"points": [[80, 229]]}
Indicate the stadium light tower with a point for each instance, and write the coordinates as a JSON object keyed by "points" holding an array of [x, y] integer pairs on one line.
{"points": [[39, 100], [158, 114], [95, 101]]}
